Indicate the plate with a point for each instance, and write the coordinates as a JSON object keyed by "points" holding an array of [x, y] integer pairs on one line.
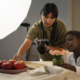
{"points": [[33, 65], [14, 71]]}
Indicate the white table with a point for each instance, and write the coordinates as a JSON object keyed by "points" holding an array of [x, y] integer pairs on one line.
{"points": [[55, 73], [22, 75]]}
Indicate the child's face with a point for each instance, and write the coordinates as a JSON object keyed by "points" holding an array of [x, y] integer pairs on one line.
{"points": [[72, 43]]}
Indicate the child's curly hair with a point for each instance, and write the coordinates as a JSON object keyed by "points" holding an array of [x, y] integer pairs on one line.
{"points": [[74, 33]]}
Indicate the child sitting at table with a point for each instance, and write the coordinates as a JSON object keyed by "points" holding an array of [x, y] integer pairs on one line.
{"points": [[72, 42]]}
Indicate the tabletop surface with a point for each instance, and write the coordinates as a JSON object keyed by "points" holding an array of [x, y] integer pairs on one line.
{"points": [[57, 73], [38, 64]]}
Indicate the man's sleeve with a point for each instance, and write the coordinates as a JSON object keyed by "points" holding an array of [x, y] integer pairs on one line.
{"points": [[32, 33]]}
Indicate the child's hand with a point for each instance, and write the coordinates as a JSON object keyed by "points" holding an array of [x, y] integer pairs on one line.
{"points": [[68, 66]]}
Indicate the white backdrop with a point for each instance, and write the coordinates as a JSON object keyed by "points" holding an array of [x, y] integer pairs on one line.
{"points": [[12, 14]]}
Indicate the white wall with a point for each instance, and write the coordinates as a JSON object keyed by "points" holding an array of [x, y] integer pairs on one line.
{"points": [[10, 45], [37, 5], [74, 14]]}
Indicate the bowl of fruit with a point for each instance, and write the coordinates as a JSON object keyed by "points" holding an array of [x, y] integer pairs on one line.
{"points": [[12, 66]]}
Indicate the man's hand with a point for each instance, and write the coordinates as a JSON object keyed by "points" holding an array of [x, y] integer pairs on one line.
{"points": [[47, 47], [68, 66], [17, 57]]}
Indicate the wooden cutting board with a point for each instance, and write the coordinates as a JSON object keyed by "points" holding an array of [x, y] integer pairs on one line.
{"points": [[33, 65]]}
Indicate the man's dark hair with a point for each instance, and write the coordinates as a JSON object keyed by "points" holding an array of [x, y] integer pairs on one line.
{"points": [[74, 33], [50, 7]]}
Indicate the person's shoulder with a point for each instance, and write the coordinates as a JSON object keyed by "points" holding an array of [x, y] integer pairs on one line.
{"points": [[61, 26], [60, 22], [38, 23], [71, 56]]}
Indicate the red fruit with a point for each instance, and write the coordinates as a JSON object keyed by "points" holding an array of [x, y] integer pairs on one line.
{"points": [[23, 62], [1, 62], [18, 65], [7, 65], [12, 61]]}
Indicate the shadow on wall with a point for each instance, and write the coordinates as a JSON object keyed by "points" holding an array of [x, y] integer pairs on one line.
{"points": [[10, 44]]}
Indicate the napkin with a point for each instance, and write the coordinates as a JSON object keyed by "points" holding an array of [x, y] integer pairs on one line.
{"points": [[39, 71], [52, 73]]}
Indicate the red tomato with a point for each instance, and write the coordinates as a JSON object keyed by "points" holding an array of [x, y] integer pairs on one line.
{"points": [[1, 62], [12, 61], [18, 65], [7, 65], [23, 62]]}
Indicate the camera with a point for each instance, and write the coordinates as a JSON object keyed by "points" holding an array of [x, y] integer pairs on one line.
{"points": [[41, 45]]}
